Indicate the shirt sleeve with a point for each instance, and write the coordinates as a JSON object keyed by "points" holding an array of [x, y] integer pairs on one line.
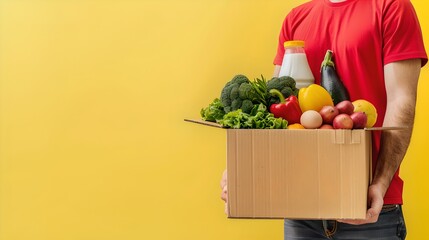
{"points": [[402, 33]]}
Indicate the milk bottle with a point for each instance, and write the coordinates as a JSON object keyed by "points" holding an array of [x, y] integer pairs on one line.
{"points": [[295, 64]]}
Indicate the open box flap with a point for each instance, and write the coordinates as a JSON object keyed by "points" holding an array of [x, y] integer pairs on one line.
{"points": [[385, 128], [213, 124], [202, 122]]}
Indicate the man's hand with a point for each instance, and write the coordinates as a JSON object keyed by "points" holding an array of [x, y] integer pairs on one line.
{"points": [[375, 201], [224, 187]]}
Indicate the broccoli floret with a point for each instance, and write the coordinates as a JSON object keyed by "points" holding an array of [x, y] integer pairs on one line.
{"points": [[236, 104], [280, 83], [255, 91], [241, 93], [230, 91], [289, 82], [244, 89], [234, 92], [247, 106], [227, 109], [287, 91], [286, 85]]}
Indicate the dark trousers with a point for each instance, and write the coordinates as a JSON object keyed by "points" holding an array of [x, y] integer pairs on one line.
{"points": [[390, 226]]}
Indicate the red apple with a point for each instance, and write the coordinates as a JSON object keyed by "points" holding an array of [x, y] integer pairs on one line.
{"points": [[343, 121], [328, 113], [346, 107], [326, 126], [359, 120]]}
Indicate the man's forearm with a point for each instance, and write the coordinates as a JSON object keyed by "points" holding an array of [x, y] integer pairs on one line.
{"points": [[394, 143], [401, 88]]}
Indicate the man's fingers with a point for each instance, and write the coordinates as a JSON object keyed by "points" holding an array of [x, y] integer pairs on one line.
{"points": [[224, 194], [224, 197], [352, 222], [224, 187], [373, 213], [375, 209], [371, 217]]}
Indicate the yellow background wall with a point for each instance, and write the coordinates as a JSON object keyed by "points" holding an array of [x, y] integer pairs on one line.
{"points": [[92, 99]]}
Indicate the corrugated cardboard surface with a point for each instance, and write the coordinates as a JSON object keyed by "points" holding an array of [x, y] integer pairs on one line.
{"points": [[299, 174]]}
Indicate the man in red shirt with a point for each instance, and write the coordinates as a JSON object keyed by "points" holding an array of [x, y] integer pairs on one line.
{"points": [[378, 50]]}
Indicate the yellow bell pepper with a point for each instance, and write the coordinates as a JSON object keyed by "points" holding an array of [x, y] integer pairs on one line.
{"points": [[314, 97]]}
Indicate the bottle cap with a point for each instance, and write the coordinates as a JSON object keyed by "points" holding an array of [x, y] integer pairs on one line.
{"points": [[294, 43]]}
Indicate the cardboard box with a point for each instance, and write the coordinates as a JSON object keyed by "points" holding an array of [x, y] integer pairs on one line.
{"points": [[298, 174]]}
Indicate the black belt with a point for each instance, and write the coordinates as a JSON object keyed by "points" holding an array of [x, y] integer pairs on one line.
{"points": [[389, 207]]}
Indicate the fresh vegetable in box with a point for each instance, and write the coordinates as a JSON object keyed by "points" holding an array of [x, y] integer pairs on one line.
{"points": [[213, 112], [286, 85], [349, 115], [287, 108], [261, 104], [241, 93], [314, 97], [331, 81], [258, 118], [244, 103]]}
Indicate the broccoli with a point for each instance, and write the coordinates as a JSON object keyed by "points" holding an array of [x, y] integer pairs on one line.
{"points": [[255, 91], [286, 85], [241, 93], [247, 106], [236, 104], [230, 95], [230, 91], [234, 93], [244, 90]]}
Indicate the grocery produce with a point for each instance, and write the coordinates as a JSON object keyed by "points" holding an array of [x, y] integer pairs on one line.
{"points": [[286, 85], [368, 108], [311, 119], [349, 119], [258, 118], [242, 96], [287, 108], [328, 114], [345, 107], [331, 81], [255, 91], [342, 121], [213, 112], [326, 126], [241, 93], [295, 126], [314, 97], [359, 120]]}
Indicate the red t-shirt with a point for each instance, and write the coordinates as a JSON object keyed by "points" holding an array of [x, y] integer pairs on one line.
{"points": [[364, 36]]}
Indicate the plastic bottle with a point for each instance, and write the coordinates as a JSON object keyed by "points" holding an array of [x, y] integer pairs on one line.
{"points": [[295, 64]]}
